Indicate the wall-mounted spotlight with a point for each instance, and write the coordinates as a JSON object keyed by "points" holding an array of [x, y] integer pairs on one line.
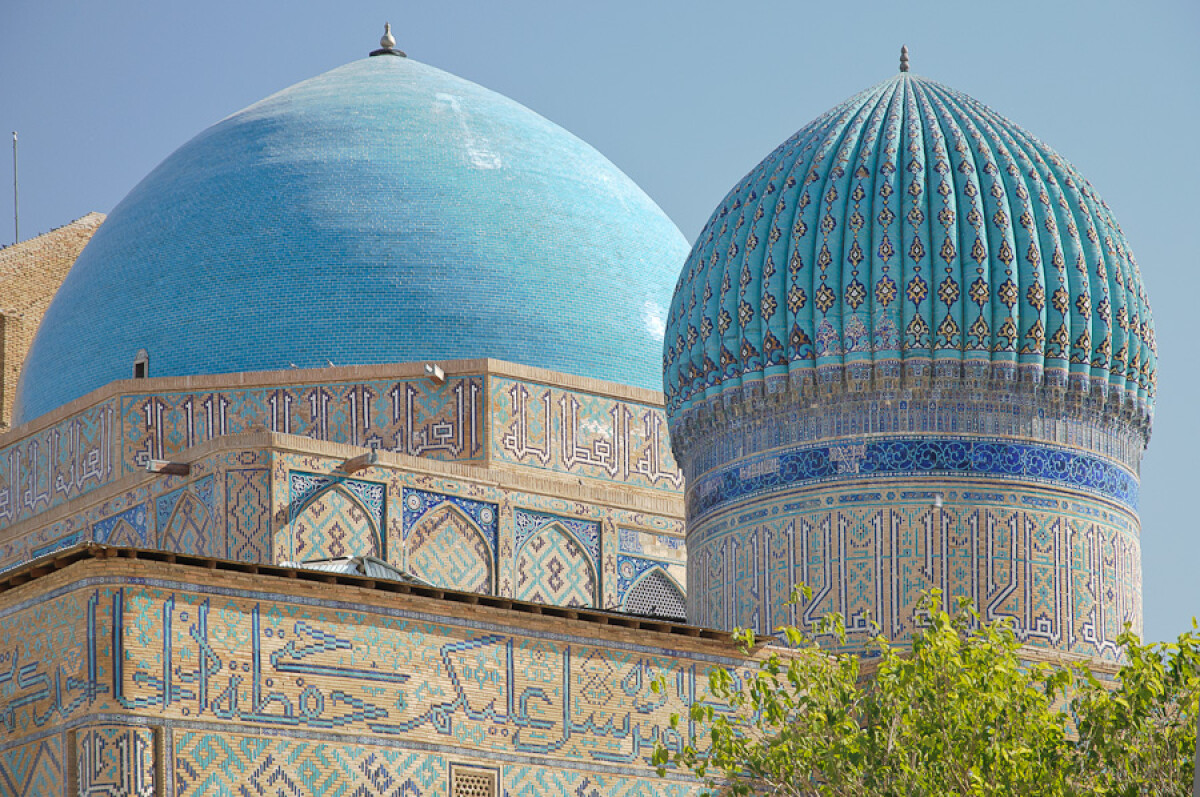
{"points": [[360, 462], [435, 373], [168, 468]]}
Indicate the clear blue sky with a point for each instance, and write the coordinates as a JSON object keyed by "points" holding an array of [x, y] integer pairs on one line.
{"points": [[685, 97]]}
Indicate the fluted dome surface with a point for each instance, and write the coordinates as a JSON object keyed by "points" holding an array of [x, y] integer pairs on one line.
{"points": [[384, 211], [910, 230]]}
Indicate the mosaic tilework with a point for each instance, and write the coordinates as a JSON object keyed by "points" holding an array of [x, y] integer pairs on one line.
{"points": [[483, 514], [36, 769], [115, 761], [553, 568], [304, 486], [556, 559], [875, 458], [573, 432], [586, 533], [450, 541], [142, 511], [85, 451], [210, 764], [248, 514], [331, 525], [331, 516], [130, 527], [212, 654], [547, 782], [409, 416], [191, 529], [1008, 411], [57, 464], [911, 232], [1066, 569]]}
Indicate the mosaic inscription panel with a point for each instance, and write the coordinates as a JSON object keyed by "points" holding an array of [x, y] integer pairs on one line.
{"points": [[57, 464], [204, 656], [572, 432], [1066, 571], [410, 416]]}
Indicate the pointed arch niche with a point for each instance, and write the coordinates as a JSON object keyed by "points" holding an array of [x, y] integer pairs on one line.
{"points": [[190, 529], [448, 549], [656, 594], [334, 524], [553, 567]]}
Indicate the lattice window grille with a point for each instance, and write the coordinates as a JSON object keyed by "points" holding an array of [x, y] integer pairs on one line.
{"points": [[657, 596], [469, 782]]}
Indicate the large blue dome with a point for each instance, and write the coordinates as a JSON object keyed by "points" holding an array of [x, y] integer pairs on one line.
{"points": [[385, 211], [910, 231]]}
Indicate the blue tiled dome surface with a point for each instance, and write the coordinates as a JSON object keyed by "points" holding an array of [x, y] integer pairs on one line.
{"points": [[910, 227], [384, 211]]}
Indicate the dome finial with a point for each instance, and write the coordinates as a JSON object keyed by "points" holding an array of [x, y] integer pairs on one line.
{"points": [[904, 58], [387, 43]]}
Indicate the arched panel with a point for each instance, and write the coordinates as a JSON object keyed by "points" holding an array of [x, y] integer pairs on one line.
{"points": [[333, 524], [124, 534], [190, 529], [656, 594], [448, 550], [552, 567]]}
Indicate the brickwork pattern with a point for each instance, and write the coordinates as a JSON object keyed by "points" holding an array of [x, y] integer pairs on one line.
{"points": [[1066, 569], [30, 273], [572, 432], [348, 685], [34, 769]]}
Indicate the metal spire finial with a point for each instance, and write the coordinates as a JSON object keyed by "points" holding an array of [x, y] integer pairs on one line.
{"points": [[387, 43], [903, 58]]}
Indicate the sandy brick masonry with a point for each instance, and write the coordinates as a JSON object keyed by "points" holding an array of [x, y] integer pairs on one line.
{"points": [[30, 273]]}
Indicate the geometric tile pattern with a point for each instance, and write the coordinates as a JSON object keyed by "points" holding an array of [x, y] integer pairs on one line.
{"points": [[409, 416], [115, 761], [574, 432], [233, 764], [585, 532], [1064, 568], [57, 464], [190, 528], [227, 656], [86, 451], [552, 567], [483, 514], [911, 231], [129, 527], [880, 457], [332, 524], [447, 549], [248, 514], [529, 781], [304, 486], [34, 769]]}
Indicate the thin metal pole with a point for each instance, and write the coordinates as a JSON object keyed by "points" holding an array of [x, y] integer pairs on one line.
{"points": [[16, 196]]}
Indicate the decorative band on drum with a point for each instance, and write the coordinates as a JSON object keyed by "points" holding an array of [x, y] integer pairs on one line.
{"points": [[891, 457]]}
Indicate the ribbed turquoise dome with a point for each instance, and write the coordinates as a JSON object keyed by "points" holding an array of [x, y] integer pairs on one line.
{"points": [[385, 211], [910, 231]]}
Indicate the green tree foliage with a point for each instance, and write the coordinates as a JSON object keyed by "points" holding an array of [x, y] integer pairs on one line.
{"points": [[957, 712]]}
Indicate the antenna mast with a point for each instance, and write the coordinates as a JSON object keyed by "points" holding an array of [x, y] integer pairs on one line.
{"points": [[16, 196]]}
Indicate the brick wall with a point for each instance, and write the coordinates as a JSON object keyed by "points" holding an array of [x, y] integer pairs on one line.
{"points": [[30, 273]]}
